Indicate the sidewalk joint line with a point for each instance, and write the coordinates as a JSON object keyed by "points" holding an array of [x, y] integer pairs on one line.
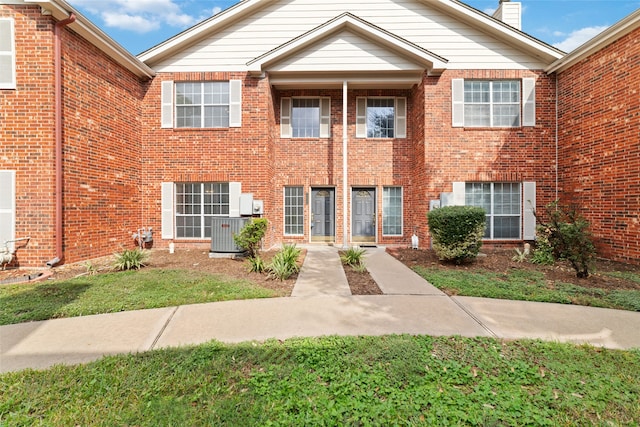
{"points": [[474, 317], [164, 327]]}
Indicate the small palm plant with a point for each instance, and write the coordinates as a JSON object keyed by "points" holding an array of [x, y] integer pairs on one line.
{"points": [[130, 259], [353, 257]]}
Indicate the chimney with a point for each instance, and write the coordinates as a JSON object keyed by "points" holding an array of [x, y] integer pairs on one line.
{"points": [[510, 12]]}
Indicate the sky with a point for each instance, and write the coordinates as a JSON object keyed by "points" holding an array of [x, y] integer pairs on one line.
{"points": [[139, 25]]}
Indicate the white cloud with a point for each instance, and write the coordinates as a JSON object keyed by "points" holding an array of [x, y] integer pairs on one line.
{"points": [[140, 16], [579, 37], [490, 11]]}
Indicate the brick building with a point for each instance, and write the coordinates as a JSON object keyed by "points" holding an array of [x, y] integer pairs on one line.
{"points": [[433, 103]]}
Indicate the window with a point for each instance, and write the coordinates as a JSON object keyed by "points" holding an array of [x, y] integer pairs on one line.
{"points": [[381, 117], [7, 55], [502, 203], [305, 117], [196, 204], [392, 211], [293, 211], [202, 105], [493, 103]]}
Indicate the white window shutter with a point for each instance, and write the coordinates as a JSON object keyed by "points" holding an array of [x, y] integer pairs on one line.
{"points": [[528, 209], [457, 103], [458, 193], [7, 207], [401, 117], [7, 55], [167, 104], [361, 117], [285, 118], [235, 189], [167, 210], [235, 103], [325, 117], [528, 102]]}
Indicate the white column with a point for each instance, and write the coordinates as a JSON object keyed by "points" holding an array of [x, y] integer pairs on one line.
{"points": [[345, 195]]}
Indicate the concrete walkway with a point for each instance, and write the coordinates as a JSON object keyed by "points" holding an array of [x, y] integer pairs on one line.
{"points": [[321, 306]]}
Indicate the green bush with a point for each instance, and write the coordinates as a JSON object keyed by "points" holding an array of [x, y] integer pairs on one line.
{"points": [[457, 232], [543, 252], [250, 236], [568, 234], [353, 256], [284, 263], [130, 259], [256, 265]]}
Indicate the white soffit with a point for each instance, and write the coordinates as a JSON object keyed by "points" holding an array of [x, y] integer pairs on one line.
{"points": [[411, 57]]}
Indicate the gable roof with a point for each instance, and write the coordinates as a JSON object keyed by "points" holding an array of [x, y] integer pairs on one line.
{"points": [[599, 42], [348, 22], [454, 8], [60, 10]]}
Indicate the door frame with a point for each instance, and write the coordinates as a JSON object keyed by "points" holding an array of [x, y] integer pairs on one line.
{"points": [[375, 214], [320, 239]]}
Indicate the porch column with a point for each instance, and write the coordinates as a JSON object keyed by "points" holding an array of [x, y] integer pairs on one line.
{"points": [[345, 219]]}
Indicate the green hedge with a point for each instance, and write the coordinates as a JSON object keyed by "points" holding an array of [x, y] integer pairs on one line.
{"points": [[457, 232]]}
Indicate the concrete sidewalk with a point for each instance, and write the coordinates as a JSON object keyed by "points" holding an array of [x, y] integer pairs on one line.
{"points": [[410, 306]]}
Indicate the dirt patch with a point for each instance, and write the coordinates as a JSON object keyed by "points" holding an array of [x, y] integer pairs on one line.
{"points": [[500, 261], [361, 282]]}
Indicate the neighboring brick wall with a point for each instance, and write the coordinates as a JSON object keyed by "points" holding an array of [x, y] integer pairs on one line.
{"points": [[599, 109], [101, 127]]}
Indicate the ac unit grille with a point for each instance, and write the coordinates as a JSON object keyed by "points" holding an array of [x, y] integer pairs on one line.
{"points": [[222, 232]]}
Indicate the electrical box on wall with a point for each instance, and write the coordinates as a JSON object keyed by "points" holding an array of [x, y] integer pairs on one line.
{"points": [[258, 207], [246, 204]]}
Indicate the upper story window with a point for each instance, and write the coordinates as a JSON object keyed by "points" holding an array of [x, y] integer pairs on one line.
{"points": [[201, 105], [7, 54], [305, 117], [378, 117], [493, 103]]}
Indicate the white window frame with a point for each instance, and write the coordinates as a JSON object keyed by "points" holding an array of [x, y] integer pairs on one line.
{"points": [[385, 216], [202, 215], [491, 216], [8, 54], [286, 116], [493, 104], [202, 105], [298, 207], [399, 117]]}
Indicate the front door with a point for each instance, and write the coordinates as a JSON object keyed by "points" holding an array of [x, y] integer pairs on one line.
{"points": [[323, 215], [363, 215]]}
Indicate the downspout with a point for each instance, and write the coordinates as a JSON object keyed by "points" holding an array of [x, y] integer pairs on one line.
{"points": [[557, 137], [345, 138], [57, 53]]}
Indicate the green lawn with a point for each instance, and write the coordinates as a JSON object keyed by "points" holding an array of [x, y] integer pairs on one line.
{"points": [[332, 381], [113, 292], [528, 286]]}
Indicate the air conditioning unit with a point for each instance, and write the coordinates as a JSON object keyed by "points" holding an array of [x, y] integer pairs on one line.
{"points": [[222, 232]]}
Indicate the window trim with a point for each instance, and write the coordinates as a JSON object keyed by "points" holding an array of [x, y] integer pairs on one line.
{"points": [[492, 103], [284, 213], [324, 119], [491, 216], [399, 117], [203, 216], [384, 217], [527, 103], [10, 83], [202, 105]]}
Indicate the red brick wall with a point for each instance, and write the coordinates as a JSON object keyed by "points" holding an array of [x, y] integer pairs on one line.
{"points": [[425, 163], [100, 133], [599, 112]]}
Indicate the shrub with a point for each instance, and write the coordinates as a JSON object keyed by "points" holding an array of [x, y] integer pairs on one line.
{"points": [[353, 256], [284, 263], [457, 232], [568, 234], [130, 259], [250, 236], [256, 264], [543, 252]]}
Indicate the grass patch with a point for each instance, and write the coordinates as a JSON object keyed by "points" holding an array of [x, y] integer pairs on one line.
{"points": [[390, 380], [114, 292], [526, 286]]}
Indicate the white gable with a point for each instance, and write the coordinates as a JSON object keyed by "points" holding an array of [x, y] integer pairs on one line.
{"points": [[346, 51], [444, 28]]}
